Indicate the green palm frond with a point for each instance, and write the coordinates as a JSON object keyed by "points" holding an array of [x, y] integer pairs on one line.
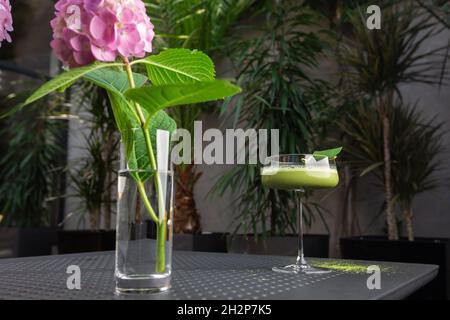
{"points": [[415, 149], [31, 165], [278, 92], [378, 61]]}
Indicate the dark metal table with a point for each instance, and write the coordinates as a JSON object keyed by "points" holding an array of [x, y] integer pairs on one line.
{"points": [[206, 276]]}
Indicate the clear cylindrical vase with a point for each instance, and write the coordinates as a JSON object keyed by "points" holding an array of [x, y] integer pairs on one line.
{"points": [[144, 231]]}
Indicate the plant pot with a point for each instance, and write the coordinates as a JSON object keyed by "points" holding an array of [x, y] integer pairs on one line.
{"points": [[26, 242], [206, 242], [314, 245], [422, 250], [75, 241]]}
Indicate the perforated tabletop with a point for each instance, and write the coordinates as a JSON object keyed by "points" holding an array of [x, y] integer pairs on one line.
{"points": [[207, 276]]}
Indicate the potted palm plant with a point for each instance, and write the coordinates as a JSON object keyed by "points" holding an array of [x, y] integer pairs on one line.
{"points": [[92, 177], [383, 137], [208, 31], [28, 188], [416, 146], [279, 93], [377, 74]]}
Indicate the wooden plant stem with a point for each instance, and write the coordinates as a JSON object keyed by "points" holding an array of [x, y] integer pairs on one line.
{"points": [[407, 217], [385, 105], [390, 214]]}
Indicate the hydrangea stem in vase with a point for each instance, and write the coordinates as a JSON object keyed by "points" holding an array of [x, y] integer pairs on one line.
{"points": [[160, 221]]}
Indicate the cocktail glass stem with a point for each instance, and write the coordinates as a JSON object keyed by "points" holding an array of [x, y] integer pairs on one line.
{"points": [[300, 266], [301, 262]]}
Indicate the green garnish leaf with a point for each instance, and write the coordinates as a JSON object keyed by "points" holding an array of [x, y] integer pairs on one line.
{"points": [[330, 153]]}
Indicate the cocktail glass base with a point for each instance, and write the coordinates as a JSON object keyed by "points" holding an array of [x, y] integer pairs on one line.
{"points": [[300, 269]]}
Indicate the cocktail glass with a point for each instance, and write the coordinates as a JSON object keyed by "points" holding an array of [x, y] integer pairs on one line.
{"points": [[298, 172]]}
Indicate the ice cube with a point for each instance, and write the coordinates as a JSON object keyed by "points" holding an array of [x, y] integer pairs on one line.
{"points": [[312, 163]]}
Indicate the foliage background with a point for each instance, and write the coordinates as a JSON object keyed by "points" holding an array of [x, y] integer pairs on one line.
{"points": [[431, 209]]}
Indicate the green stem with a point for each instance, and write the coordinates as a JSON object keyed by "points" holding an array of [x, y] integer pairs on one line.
{"points": [[161, 225], [160, 243], [147, 204]]}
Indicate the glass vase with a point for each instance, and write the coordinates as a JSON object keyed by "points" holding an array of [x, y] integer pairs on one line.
{"points": [[144, 231]]}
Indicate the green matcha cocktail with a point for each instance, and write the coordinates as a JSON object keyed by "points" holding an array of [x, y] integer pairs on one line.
{"points": [[298, 178], [300, 172]]}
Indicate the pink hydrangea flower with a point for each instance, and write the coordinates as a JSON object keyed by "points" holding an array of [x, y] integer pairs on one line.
{"points": [[5, 21], [103, 30]]}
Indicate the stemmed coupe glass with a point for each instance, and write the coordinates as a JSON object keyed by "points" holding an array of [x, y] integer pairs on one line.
{"points": [[299, 172]]}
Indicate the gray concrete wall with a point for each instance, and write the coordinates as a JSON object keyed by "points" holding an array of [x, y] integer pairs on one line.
{"points": [[431, 210]]}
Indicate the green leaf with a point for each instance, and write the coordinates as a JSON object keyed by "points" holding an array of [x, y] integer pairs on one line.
{"points": [[112, 80], [124, 117], [157, 98], [161, 121], [65, 79], [116, 83], [330, 153], [136, 149], [12, 111], [60, 84], [132, 136], [136, 153], [176, 66], [371, 168]]}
